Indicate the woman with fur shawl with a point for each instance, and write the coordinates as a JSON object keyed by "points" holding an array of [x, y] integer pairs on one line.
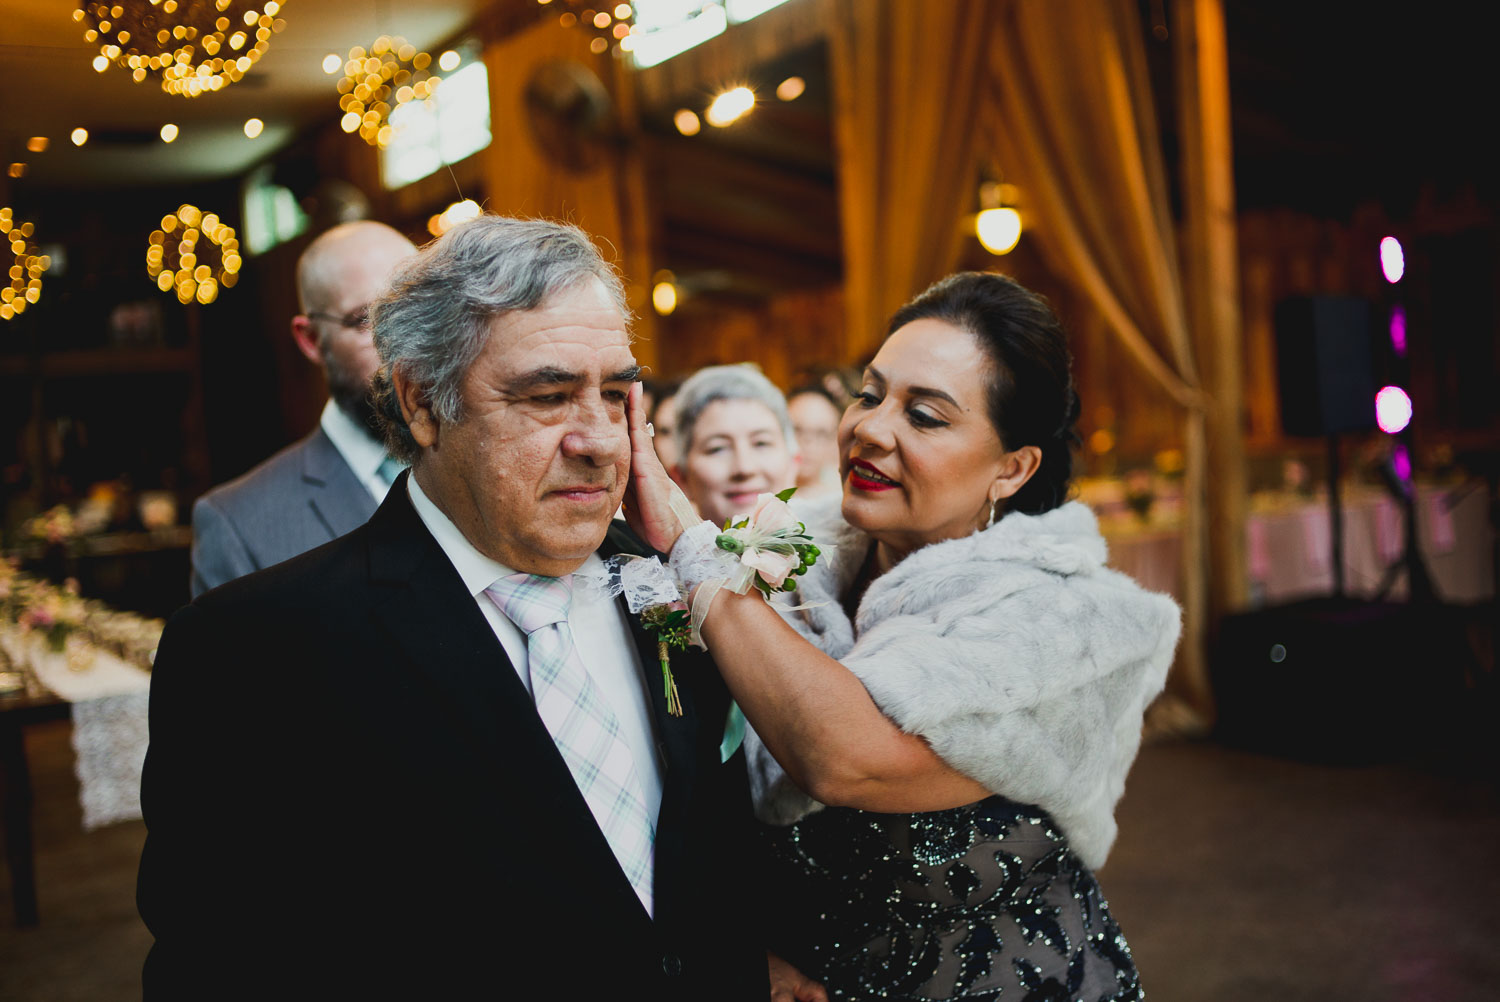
{"points": [[943, 728]]}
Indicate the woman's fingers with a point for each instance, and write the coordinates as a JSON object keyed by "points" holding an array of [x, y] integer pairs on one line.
{"points": [[648, 508]]}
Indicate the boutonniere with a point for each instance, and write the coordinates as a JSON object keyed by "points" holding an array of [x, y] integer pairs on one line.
{"points": [[670, 624], [651, 593]]}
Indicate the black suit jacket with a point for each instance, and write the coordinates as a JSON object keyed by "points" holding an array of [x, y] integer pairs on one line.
{"points": [[348, 790]]}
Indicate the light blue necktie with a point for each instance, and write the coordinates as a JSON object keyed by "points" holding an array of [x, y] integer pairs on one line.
{"points": [[388, 470], [581, 723]]}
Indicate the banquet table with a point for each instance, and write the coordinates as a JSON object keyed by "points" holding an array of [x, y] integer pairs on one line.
{"points": [[107, 699], [1289, 545]]}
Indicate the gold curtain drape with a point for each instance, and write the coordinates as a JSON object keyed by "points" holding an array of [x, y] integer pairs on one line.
{"points": [[1070, 118], [906, 91]]}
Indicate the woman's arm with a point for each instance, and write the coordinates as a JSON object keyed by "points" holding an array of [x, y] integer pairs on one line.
{"points": [[818, 720], [813, 714]]}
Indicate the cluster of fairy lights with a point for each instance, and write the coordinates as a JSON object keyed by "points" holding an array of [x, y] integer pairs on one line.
{"points": [[377, 82], [25, 286], [608, 22], [172, 256], [194, 46]]}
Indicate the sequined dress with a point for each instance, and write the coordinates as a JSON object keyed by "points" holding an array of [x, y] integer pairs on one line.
{"points": [[979, 902]]}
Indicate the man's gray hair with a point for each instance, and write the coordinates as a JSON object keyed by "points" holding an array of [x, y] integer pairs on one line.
{"points": [[434, 318], [728, 382]]}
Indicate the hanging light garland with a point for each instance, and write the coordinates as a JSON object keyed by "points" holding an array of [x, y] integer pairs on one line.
{"points": [[24, 287], [377, 82], [609, 23], [173, 257], [194, 46]]}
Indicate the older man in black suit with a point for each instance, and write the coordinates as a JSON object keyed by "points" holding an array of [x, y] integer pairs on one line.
{"points": [[418, 761]]}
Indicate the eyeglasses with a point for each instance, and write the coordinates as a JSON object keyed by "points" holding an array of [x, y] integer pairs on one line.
{"points": [[355, 321]]}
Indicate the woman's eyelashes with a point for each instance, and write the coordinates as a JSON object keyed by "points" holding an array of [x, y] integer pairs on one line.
{"points": [[919, 418]]}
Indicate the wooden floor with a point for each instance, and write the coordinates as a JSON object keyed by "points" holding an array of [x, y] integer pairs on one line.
{"points": [[1235, 877]]}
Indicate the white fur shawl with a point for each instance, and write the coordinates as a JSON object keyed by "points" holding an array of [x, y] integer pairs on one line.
{"points": [[1024, 661]]}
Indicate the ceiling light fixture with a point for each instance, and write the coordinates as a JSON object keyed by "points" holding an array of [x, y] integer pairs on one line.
{"points": [[172, 255], [194, 46], [24, 286], [377, 82], [730, 106]]}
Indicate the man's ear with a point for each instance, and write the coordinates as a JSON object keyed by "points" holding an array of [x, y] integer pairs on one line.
{"points": [[1015, 469], [306, 336], [414, 410]]}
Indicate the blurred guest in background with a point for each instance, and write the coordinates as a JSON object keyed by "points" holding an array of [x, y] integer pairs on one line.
{"points": [[329, 482], [661, 411], [734, 440], [815, 421]]}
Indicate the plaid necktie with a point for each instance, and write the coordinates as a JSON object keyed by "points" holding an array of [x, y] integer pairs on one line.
{"points": [[581, 723]]}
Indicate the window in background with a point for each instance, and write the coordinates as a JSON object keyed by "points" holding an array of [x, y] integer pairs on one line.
{"points": [[272, 215], [665, 28], [452, 124]]}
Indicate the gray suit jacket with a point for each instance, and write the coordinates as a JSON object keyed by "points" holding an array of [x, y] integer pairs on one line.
{"points": [[302, 497]]}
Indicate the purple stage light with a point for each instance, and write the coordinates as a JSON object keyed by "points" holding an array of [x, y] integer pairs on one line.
{"points": [[1401, 463], [1398, 330], [1392, 409]]}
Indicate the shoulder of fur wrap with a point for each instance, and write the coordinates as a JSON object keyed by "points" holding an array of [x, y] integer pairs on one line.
{"points": [[1024, 661]]}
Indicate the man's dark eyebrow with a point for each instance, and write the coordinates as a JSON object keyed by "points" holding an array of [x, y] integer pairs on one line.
{"points": [[543, 377], [916, 391], [629, 375]]}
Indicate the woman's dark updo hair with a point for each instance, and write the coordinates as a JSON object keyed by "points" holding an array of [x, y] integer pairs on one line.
{"points": [[1031, 397]]}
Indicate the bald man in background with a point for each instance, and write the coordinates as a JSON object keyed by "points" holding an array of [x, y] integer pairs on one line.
{"points": [[330, 482]]}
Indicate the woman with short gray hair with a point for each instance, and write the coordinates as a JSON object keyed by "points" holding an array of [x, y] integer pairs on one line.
{"points": [[734, 440]]}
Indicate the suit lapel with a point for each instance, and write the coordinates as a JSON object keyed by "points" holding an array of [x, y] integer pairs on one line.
{"points": [[337, 499], [429, 614], [677, 734]]}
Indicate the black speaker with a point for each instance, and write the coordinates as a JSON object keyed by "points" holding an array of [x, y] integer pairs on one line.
{"points": [[1325, 365], [1339, 680]]}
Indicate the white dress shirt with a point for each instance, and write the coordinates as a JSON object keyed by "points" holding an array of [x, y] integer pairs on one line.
{"points": [[600, 634], [361, 452]]}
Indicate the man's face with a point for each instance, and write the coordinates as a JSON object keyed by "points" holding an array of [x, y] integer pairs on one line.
{"points": [[357, 275], [536, 467]]}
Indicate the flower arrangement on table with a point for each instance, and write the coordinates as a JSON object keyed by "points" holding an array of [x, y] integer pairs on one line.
{"points": [[31, 606]]}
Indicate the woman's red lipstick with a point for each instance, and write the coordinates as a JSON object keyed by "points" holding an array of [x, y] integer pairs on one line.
{"points": [[861, 482]]}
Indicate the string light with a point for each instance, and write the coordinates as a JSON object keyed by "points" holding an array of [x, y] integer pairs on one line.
{"points": [[193, 46], [37, 144], [730, 106], [79, 136], [253, 127], [458, 212], [687, 122], [791, 88], [173, 257], [24, 279], [376, 83], [168, 132], [331, 63]]}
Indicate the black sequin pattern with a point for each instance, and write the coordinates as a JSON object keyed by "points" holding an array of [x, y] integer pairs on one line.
{"points": [[983, 902]]}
